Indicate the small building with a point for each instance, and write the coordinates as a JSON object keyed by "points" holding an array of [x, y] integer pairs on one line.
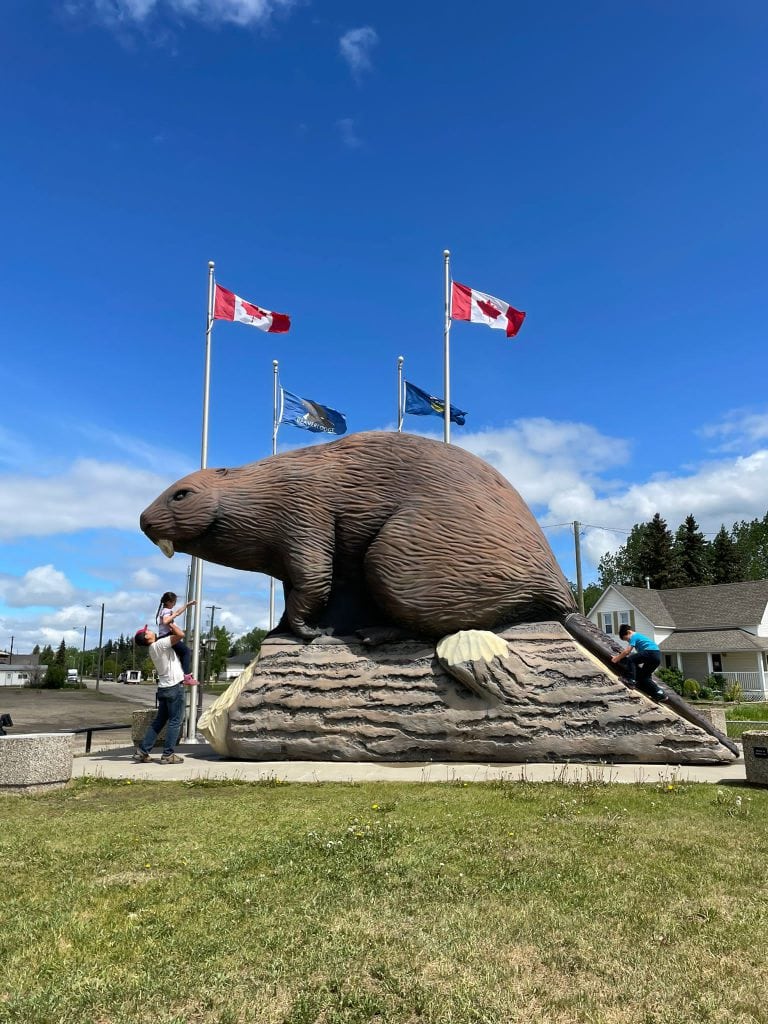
{"points": [[700, 630], [21, 672], [237, 664]]}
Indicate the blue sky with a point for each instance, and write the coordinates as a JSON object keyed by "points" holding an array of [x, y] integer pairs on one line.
{"points": [[600, 165]]}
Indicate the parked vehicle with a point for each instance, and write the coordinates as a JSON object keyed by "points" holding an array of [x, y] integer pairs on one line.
{"points": [[71, 675], [130, 676], [108, 678]]}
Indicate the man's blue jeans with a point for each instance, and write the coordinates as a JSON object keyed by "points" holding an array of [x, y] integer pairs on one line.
{"points": [[170, 709]]}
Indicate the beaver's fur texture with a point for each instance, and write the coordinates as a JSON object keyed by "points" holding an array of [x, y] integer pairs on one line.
{"points": [[374, 529]]}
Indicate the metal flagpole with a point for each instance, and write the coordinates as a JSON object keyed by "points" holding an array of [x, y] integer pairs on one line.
{"points": [[275, 425], [189, 730], [399, 393], [447, 349]]}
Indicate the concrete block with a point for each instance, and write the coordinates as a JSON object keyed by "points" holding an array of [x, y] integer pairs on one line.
{"points": [[715, 715], [756, 757], [140, 722], [40, 760]]}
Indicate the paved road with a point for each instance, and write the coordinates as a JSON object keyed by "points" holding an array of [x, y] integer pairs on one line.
{"points": [[56, 710]]}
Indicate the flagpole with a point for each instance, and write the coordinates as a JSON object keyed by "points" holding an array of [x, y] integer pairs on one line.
{"points": [[275, 425], [447, 348], [190, 723], [399, 393]]}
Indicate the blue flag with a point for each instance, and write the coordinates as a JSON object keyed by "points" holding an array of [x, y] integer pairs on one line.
{"points": [[309, 415], [420, 403]]}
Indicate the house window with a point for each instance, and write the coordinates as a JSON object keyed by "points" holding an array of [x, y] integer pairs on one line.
{"points": [[717, 663], [623, 618], [607, 622]]}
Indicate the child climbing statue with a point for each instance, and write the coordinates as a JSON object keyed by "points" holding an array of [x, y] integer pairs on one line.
{"points": [[167, 614]]}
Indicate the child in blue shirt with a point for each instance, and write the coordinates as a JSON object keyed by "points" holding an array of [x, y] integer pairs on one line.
{"points": [[643, 663]]}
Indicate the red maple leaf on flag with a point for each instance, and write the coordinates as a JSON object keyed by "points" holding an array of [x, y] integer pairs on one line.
{"points": [[252, 310], [488, 308]]}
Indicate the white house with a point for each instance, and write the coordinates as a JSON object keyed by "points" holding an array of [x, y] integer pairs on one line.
{"points": [[700, 630]]}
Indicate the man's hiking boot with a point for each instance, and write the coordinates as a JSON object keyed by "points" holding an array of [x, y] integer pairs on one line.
{"points": [[171, 759], [141, 757]]}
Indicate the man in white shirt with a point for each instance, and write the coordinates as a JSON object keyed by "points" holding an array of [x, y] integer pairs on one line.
{"points": [[170, 694]]}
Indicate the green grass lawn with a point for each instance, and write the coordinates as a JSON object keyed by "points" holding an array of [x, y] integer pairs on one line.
{"points": [[750, 711], [237, 903]]}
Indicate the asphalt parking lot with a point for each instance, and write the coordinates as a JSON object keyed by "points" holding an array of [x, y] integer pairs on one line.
{"points": [[60, 710]]}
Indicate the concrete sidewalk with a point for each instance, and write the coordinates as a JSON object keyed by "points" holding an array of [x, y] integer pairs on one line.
{"points": [[200, 762]]}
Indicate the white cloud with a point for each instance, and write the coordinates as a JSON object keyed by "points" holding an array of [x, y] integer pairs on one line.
{"points": [[348, 132], [88, 495], [737, 429], [116, 13], [43, 585], [146, 579], [355, 47]]}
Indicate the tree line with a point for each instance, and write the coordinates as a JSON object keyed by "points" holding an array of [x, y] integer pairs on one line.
{"points": [[654, 556], [122, 654]]}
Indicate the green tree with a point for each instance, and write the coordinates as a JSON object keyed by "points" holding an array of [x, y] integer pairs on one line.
{"points": [[592, 592], [217, 657], [751, 541], [690, 556], [249, 643], [61, 654], [655, 555], [55, 676], [36, 649], [46, 655], [724, 564]]}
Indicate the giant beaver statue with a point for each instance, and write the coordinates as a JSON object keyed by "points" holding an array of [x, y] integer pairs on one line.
{"points": [[380, 531], [375, 529]]}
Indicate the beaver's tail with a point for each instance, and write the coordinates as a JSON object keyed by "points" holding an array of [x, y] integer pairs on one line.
{"points": [[604, 647]]}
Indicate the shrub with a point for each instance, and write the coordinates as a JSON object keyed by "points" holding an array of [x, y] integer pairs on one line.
{"points": [[717, 682], [672, 677], [733, 692], [706, 693], [55, 677], [691, 689]]}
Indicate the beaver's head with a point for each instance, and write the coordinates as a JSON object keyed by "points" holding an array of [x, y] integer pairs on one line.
{"points": [[184, 516]]}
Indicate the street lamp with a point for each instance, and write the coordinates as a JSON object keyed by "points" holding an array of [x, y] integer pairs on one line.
{"points": [[82, 656], [99, 662]]}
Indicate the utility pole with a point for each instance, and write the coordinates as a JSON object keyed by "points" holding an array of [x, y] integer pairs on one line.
{"points": [[10, 653], [99, 664], [82, 656], [577, 545]]}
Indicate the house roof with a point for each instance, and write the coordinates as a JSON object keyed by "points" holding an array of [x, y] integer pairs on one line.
{"points": [[649, 603], [720, 606], [688, 641]]}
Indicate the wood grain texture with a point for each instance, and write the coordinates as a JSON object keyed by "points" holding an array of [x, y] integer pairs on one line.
{"points": [[552, 702]]}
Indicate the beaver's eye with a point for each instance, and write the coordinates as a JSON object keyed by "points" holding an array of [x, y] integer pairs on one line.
{"points": [[222, 472], [181, 494]]}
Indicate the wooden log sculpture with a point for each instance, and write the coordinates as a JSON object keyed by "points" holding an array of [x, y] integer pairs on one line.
{"points": [[378, 533]]}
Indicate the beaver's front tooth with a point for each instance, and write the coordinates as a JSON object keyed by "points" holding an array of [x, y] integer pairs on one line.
{"points": [[166, 546]]}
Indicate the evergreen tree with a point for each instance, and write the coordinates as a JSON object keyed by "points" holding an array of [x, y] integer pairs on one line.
{"points": [[690, 553], [61, 654], [751, 541], [36, 649], [724, 564], [46, 655], [654, 556]]}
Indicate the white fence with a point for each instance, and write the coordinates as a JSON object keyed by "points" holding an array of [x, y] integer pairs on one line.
{"points": [[750, 683]]}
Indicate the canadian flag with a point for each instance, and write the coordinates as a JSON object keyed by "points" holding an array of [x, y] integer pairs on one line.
{"points": [[469, 304], [229, 306]]}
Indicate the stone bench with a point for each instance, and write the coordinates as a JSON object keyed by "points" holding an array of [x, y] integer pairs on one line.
{"points": [[755, 746], [36, 760]]}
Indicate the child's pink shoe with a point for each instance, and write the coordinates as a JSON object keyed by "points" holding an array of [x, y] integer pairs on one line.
{"points": [[189, 680]]}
